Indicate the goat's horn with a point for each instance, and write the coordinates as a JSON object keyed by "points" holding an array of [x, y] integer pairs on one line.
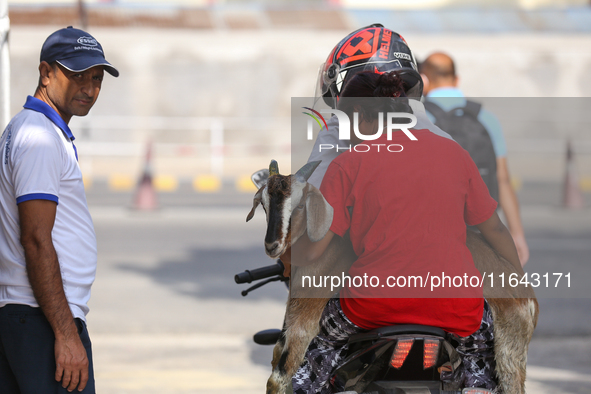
{"points": [[273, 168], [306, 171]]}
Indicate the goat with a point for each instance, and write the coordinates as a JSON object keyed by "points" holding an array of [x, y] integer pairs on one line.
{"points": [[515, 310], [312, 214]]}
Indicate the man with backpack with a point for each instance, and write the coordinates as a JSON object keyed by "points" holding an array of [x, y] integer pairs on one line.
{"points": [[476, 130]]}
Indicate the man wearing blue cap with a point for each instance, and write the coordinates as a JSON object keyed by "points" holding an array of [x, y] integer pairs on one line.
{"points": [[47, 240]]}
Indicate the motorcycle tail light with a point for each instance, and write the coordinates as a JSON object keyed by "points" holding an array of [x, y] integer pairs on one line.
{"points": [[430, 352], [476, 391], [402, 349]]}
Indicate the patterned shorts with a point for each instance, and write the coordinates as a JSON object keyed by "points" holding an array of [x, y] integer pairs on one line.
{"points": [[329, 347], [477, 354]]}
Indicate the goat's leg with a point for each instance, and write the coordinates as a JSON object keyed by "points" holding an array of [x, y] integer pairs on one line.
{"points": [[514, 323], [278, 350], [302, 322], [515, 315]]}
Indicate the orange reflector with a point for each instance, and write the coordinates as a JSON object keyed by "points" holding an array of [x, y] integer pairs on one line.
{"points": [[403, 346], [430, 352], [476, 391]]}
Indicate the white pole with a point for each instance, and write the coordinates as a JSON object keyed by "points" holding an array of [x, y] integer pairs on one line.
{"points": [[4, 65], [217, 147]]}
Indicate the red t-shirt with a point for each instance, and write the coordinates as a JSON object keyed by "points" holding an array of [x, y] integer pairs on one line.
{"points": [[406, 213]]}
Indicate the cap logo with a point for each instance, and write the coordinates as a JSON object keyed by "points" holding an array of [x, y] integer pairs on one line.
{"points": [[87, 41]]}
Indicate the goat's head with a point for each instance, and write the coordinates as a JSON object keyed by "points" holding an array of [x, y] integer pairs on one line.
{"points": [[285, 225]]}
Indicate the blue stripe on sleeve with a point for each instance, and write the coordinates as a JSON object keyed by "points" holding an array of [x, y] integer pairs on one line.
{"points": [[37, 196]]}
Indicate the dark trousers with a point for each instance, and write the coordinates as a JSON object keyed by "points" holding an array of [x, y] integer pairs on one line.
{"points": [[27, 356]]}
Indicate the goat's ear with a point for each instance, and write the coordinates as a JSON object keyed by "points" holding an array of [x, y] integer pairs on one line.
{"points": [[319, 214], [260, 178], [255, 203]]}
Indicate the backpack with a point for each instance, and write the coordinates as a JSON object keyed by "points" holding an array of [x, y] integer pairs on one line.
{"points": [[463, 126]]}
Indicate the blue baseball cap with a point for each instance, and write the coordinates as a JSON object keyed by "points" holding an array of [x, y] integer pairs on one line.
{"points": [[76, 50]]}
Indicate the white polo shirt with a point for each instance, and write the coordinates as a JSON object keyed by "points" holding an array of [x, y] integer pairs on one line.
{"points": [[39, 161]]}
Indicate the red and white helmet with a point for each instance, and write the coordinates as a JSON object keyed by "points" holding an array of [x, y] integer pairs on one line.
{"points": [[372, 48]]}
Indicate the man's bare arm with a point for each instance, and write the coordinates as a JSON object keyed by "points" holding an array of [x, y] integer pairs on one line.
{"points": [[510, 205], [36, 222], [499, 237]]}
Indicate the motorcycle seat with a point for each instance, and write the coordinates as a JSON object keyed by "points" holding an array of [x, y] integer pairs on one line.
{"points": [[400, 329]]}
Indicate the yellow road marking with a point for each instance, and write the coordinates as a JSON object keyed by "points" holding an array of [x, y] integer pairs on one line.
{"points": [[244, 184], [586, 184], [516, 183], [166, 183], [120, 182], [87, 180], [207, 183]]}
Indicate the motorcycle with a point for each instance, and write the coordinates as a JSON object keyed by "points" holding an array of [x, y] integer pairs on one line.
{"points": [[401, 359]]}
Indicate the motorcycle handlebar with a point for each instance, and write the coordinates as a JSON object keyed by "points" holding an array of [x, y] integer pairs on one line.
{"points": [[260, 273]]}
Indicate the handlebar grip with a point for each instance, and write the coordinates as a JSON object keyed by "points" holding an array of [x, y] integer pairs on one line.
{"points": [[260, 273]]}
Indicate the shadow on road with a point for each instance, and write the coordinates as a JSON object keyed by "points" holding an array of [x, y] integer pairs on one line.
{"points": [[209, 273]]}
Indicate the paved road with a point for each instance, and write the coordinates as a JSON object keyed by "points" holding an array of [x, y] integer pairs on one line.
{"points": [[167, 317]]}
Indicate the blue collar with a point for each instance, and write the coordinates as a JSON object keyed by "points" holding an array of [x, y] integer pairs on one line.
{"points": [[37, 105], [448, 91]]}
